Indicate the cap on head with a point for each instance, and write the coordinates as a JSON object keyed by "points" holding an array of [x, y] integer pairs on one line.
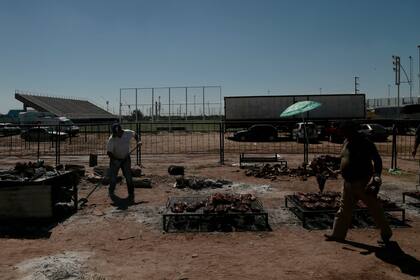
{"points": [[115, 128]]}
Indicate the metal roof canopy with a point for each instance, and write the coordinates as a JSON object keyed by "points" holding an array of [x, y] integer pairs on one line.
{"points": [[64, 107]]}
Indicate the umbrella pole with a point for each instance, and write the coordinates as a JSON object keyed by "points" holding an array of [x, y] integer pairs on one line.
{"points": [[305, 143]]}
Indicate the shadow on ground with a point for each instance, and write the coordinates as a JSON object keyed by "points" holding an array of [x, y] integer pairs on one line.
{"points": [[34, 228], [392, 254]]}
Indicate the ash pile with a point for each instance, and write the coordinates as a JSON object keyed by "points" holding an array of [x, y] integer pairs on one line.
{"points": [[197, 183], [37, 171], [217, 212]]}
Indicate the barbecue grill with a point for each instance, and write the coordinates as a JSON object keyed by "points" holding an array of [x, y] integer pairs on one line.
{"points": [[415, 195], [303, 213], [39, 198], [201, 220]]}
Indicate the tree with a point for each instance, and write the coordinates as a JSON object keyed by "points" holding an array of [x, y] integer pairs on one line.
{"points": [[140, 115]]}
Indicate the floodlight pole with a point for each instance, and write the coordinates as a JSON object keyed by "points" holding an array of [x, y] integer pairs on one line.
{"points": [[356, 84], [410, 83], [204, 107], [120, 107], [419, 68], [153, 103], [137, 112], [186, 103], [169, 95]]}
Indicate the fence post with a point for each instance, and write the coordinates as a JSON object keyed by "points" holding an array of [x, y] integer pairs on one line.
{"points": [[57, 146], [139, 147], [37, 153], [222, 143], [394, 147]]}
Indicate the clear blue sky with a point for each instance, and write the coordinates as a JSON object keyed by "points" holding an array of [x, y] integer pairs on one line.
{"points": [[92, 48]]}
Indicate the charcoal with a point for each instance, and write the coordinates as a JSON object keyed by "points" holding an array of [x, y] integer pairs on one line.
{"points": [[29, 171], [197, 183]]}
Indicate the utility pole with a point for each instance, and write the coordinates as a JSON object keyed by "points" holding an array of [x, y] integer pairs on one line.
{"points": [[419, 69], [356, 85], [410, 83], [120, 108], [397, 65], [389, 94], [320, 90]]}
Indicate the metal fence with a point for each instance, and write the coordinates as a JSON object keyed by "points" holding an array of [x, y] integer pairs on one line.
{"points": [[392, 101], [168, 138]]}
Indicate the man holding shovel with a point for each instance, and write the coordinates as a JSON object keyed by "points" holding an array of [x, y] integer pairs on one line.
{"points": [[118, 150]]}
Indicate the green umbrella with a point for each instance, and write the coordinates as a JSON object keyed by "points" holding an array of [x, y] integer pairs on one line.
{"points": [[299, 108]]}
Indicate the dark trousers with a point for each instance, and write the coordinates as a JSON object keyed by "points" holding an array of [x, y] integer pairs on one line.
{"points": [[114, 167], [352, 192]]}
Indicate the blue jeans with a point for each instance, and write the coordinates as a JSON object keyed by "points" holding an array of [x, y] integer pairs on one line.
{"points": [[114, 167]]}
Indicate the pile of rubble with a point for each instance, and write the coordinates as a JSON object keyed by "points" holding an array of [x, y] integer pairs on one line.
{"points": [[197, 183], [33, 171], [219, 203]]}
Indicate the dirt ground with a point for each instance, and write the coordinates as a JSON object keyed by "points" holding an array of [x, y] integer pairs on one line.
{"points": [[104, 242]]}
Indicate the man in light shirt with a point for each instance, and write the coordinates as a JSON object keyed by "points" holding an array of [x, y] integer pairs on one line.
{"points": [[118, 150]]}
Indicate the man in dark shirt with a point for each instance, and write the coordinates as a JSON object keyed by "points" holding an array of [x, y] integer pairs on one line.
{"points": [[361, 182], [416, 142]]}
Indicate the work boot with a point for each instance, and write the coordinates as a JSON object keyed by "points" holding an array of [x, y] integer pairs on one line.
{"points": [[329, 237], [131, 200], [385, 240]]}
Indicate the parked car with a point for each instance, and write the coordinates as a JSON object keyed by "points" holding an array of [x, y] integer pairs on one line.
{"points": [[257, 132], [8, 129], [43, 134], [333, 134], [298, 132], [375, 132], [72, 130]]}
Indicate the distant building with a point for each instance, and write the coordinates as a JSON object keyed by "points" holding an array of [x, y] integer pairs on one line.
{"points": [[79, 111]]}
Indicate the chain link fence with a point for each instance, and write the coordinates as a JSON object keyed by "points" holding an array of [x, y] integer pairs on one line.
{"points": [[168, 138]]}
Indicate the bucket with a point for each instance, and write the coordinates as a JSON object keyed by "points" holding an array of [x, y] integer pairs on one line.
{"points": [[93, 160]]}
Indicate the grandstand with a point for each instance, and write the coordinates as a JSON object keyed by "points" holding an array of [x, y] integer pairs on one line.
{"points": [[79, 111]]}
